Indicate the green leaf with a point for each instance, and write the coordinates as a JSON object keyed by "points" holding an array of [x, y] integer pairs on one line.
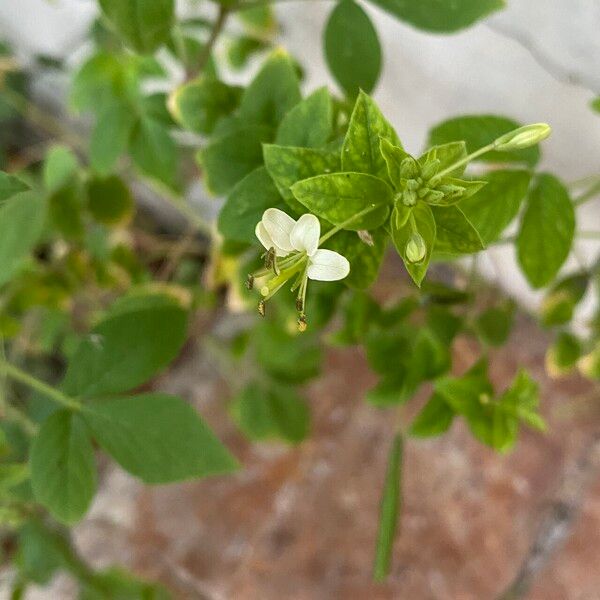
{"points": [[60, 166], [158, 438], [277, 412], [455, 234], [425, 226], [110, 136], [272, 93], [393, 157], [145, 25], [109, 200], [435, 418], [21, 222], [246, 204], [522, 400], [389, 511], [563, 354], [309, 123], [65, 209], [352, 48], [126, 349], [361, 150], [440, 16], [287, 357], [63, 470], [10, 186], [478, 131], [40, 555], [559, 304], [365, 260], [100, 82], [494, 324], [338, 197], [546, 233], [117, 584], [199, 104], [497, 204], [241, 49], [288, 165], [154, 152], [229, 158]]}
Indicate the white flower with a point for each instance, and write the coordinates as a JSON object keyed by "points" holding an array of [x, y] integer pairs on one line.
{"points": [[279, 231], [293, 251]]}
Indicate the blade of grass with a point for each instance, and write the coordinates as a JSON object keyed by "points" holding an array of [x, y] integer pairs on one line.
{"points": [[390, 508]]}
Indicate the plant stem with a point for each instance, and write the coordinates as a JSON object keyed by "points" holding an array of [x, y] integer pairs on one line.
{"points": [[39, 386], [588, 195], [465, 160], [216, 31], [589, 235], [347, 222]]}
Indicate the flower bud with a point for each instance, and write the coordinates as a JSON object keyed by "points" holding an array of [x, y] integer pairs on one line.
{"points": [[409, 168], [523, 137], [416, 248], [430, 169]]}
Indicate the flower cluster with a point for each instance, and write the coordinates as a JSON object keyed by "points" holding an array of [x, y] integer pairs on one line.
{"points": [[293, 253]]}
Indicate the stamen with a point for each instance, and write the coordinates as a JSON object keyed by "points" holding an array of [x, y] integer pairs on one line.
{"points": [[250, 281], [261, 308]]}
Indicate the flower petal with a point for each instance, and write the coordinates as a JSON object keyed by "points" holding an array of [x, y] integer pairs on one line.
{"points": [[279, 226], [265, 239], [327, 265], [306, 233]]}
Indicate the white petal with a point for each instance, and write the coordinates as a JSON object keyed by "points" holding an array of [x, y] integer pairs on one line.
{"points": [[327, 265], [306, 233], [265, 239], [279, 226]]}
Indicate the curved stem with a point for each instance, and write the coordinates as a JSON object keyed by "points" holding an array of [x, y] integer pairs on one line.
{"points": [[18, 374]]}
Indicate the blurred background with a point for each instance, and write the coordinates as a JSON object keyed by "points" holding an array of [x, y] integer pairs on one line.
{"points": [[300, 523]]}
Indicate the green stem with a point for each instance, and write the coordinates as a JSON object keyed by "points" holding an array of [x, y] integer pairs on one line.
{"points": [[464, 161], [39, 386], [347, 222], [591, 193], [216, 31], [589, 235]]}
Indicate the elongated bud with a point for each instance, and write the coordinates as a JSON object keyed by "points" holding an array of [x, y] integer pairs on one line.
{"points": [[416, 248], [523, 137]]}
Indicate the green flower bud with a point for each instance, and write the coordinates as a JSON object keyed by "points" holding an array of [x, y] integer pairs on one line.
{"points": [[430, 168], [409, 198], [523, 137], [409, 169], [416, 248], [434, 196]]}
